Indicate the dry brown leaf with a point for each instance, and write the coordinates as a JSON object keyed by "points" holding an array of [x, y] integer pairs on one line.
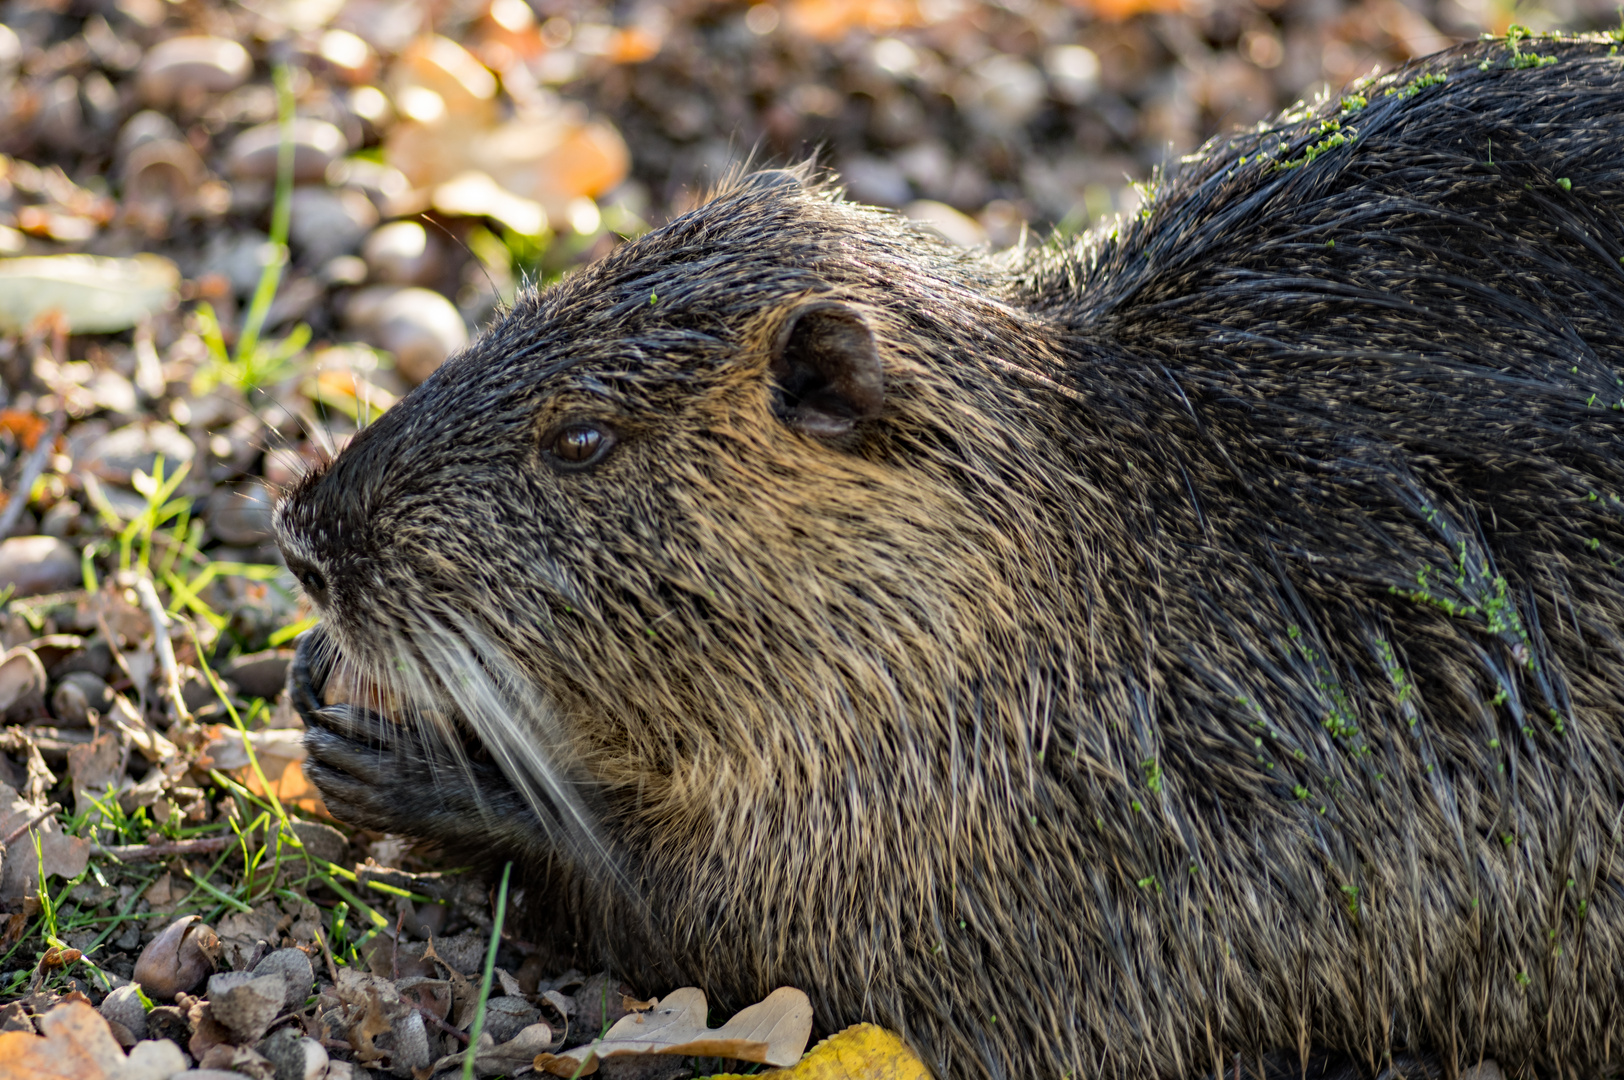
{"points": [[95, 767], [142, 735], [772, 1032], [495, 1059], [62, 855], [861, 1052], [377, 1009], [77, 1045]]}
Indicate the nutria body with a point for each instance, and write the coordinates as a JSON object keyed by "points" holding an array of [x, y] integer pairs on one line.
{"points": [[1099, 660]]}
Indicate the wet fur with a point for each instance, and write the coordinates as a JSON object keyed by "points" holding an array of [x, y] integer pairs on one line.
{"points": [[1214, 646]]}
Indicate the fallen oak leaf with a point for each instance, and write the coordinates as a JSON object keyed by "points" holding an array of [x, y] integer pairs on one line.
{"points": [[77, 1045], [771, 1032], [860, 1052]]}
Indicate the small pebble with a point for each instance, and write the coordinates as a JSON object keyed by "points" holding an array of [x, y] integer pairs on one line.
{"points": [[261, 674], [117, 455], [62, 519], [419, 326], [33, 565], [22, 685], [316, 145], [248, 1008], [1074, 71], [322, 841], [145, 126], [154, 1059], [124, 1006], [294, 1056], [326, 223], [192, 66], [876, 181], [76, 695], [60, 119], [505, 1017], [241, 516], [1004, 92], [348, 55], [113, 392], [344, 270], [298, 974], [402, 253]]}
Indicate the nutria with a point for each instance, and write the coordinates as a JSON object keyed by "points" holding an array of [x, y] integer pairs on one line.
{"points": [[1101, 659]]}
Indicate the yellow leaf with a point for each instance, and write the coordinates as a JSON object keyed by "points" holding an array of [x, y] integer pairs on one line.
{"points": [[861, 1052]]}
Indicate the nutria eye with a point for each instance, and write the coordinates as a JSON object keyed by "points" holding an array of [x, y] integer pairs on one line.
{"points": [[314, 582], [580, 445]]}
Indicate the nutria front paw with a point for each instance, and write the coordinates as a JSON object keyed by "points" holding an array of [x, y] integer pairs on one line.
{"points": [[403, 777]]}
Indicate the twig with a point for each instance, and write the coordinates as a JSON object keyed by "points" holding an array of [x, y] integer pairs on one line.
{"points": [[202, 845], [11, 837], [332, 968], [166, 649], [439, 1022]]}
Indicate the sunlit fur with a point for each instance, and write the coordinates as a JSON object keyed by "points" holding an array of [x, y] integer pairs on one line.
{"points": [[1214, 647]]}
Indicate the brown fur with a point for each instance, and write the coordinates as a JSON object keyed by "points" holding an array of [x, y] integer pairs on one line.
{"points": [[1209, 643]]}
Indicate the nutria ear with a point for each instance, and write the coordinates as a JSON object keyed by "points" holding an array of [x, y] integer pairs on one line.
{"points": [[826, 370]]}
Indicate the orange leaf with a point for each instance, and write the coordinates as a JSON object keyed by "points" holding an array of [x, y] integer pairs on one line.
{"points": [[77, 1045], [25, 427], [1117, 10], [633, 46], [290, 785]]}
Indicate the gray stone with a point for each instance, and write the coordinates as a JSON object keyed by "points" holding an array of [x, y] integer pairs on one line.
{"points": [[117, 455], [241, 516], [1003, 92], [505, 1017], [154, 1059], [124, 1006], [33, 565], [261, 674], [60, 120], [76, 695], [22, 685], [296, 970], [874, 180], [316, 145], [192, 66], [146, 126], [419, 326], [322, 841], [294, 1056], [957, 228], [402, 253], [326, 223]]}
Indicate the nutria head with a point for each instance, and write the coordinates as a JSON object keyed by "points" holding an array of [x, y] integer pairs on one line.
{"points": [[745, 499]]}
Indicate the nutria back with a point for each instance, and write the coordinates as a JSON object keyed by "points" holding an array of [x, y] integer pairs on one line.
{"points": [[1107, 658]]}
